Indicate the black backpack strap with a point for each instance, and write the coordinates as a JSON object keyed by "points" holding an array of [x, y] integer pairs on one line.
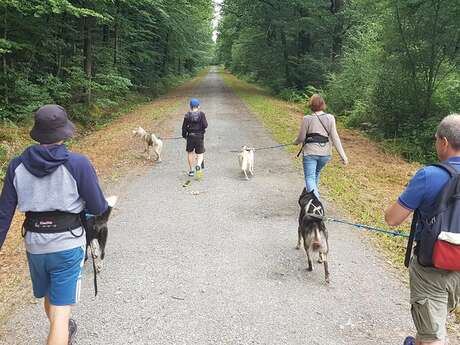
{"points": [[410, 242], [448, 167]]}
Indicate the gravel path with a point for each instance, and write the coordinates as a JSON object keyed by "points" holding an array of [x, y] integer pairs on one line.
{"points": [[214, 263]]}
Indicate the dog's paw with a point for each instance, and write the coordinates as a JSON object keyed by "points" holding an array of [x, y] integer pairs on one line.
{"points": [[297, 247], [310, 269], [320, 261], [99, 266], [328, 280]]}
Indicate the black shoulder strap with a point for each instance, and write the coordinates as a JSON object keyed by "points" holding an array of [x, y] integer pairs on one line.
{"points": [[322, 124], [410, 242], [448, 167]]}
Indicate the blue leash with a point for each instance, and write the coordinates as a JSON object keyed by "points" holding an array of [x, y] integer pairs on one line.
{"points": [[360, 226], [370, 228]]}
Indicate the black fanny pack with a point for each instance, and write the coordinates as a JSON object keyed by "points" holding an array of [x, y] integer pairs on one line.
{"points": [[52, 222], [316, 138]]}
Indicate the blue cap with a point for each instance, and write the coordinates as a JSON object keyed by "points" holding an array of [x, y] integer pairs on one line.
{"points": [[194, 103]]}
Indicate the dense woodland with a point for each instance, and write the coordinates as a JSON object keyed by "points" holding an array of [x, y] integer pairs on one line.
{"points": [[88, 55], [389, 66]]}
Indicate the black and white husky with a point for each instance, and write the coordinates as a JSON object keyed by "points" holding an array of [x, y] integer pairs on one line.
{"points": [[312, 229], [150, 141], [246, 160], [97, 233]]}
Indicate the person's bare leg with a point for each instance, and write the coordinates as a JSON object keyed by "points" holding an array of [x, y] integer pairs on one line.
{"points": [[191, 160], [47, 308], [59, 324], [199, 159]]}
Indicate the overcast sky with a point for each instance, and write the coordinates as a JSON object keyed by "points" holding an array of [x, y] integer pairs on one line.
{"points": [[217, 17]]}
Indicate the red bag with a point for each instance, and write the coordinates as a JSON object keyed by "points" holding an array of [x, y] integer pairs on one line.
{"points": [[446, 252]]}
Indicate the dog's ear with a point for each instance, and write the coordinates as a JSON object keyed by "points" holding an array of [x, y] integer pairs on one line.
{"points": [[112, 200]]}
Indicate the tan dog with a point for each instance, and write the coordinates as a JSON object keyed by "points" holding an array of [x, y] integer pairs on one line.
{"points": [[150, 141], [246, 160]]}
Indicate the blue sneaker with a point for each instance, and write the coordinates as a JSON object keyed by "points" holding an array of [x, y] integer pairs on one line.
{"points": [[409, 341]]}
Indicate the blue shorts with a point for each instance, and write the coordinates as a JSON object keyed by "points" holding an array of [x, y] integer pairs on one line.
{"points": [[57, 275]]}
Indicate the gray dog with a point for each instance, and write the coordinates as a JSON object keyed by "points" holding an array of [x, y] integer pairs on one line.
{"points": [[312, 229]]}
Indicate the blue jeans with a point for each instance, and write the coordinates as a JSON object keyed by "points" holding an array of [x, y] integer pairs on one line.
{"points": [[312, 166]]}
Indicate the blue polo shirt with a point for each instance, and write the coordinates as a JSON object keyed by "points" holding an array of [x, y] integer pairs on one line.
{"points": [[423, 189]]}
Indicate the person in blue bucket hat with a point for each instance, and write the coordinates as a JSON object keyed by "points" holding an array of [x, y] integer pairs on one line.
{"points": [[193, 130]]}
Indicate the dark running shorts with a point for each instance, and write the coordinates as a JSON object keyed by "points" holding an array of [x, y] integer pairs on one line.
{"points": [[195, 143]]}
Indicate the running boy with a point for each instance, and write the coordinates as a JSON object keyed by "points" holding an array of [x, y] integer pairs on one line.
{"points": [[193, 129]]}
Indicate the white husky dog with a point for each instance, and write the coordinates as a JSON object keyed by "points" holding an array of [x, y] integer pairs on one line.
{"points": [[150, 141], [246, 160]]}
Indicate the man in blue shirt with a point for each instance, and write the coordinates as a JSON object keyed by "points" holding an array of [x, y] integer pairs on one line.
{"points": [[52, 186], [433, 292]]}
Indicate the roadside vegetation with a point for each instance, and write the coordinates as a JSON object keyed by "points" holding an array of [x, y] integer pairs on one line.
{"points": [[390, 67], [95, 58], [360, 191]]}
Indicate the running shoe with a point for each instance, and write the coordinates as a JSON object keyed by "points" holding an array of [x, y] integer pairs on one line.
{"points": [[199, 172], [191, 173], [409, 341]]}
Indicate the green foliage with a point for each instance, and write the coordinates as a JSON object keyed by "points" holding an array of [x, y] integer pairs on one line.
{"points": [[390, 67], [90, 55]]}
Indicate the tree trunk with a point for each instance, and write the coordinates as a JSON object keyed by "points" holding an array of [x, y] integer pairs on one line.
{"points": [[285, 54], [88, 54], [165, 56], [4, 62], [337, 36], [60, 54], [116, 34]]}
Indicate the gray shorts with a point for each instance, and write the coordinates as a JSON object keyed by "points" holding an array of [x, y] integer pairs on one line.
{"points": [[433, 294]]}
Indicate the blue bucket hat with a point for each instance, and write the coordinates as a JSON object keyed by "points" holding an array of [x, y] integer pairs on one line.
{"points": [[194, 103]]}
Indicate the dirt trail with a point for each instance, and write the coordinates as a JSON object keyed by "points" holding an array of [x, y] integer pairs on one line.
{"points": [[215, 263]]}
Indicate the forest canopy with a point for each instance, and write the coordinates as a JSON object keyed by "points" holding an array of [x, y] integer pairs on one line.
{"points": [[390, 66], [88, 55]]}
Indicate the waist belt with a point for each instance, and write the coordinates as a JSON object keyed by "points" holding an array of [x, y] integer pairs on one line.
{"points": [[196, 134], [52, 222], [316, 138]]}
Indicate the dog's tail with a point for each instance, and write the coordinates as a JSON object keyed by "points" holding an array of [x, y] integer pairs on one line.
{"points": [[154, 138], [317, 241], [317, 237]]}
